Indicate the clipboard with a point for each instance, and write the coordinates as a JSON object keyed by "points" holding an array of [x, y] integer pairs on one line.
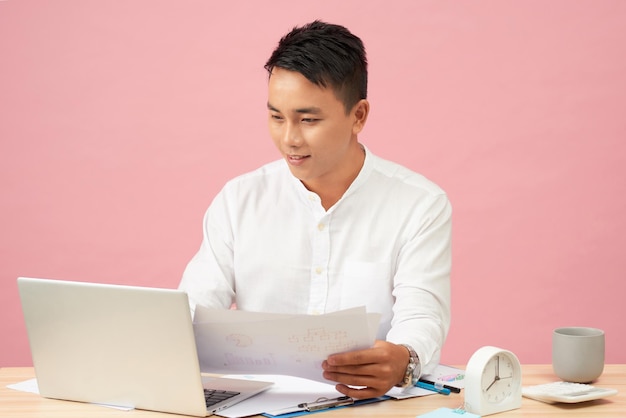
{"points": [[322, 405]]}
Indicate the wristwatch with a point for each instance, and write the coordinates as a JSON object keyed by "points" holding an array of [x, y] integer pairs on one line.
{"points": [[413, 369]]}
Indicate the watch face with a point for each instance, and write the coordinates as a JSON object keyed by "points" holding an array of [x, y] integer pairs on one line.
{"points": [[499, 380]]}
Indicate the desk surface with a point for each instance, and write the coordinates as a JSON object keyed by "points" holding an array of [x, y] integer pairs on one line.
{"points": [[24, 405]]}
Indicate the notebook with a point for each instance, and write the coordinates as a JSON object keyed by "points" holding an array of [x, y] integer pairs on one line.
{"points": [[119, 345]]}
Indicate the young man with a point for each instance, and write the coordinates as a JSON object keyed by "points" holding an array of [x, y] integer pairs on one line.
{"points": [[331, 226]]}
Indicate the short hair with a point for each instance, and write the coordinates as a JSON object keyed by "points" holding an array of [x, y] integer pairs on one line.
{"points": [[328, 56]]}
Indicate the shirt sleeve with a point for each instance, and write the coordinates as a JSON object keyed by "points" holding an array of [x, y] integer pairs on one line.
{"points": [[208, 278], [422, 283]]}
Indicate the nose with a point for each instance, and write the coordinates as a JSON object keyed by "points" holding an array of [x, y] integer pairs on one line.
{"points": [[292, 136]]}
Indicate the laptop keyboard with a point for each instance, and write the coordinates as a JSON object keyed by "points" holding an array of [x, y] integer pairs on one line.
{"points": [[213, 396]]}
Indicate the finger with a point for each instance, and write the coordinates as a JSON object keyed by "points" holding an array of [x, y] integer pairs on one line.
{"points": [[369, 370], [381, 352], [353, 379], [359, 393], [347, 359]]}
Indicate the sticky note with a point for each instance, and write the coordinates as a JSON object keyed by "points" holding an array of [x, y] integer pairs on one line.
{"points": [[448, 413]]}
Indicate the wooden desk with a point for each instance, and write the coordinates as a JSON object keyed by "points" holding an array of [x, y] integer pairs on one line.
{"points": [[26, 405]]}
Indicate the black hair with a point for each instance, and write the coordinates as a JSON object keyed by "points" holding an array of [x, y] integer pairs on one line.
{"points": [[327, 55]]}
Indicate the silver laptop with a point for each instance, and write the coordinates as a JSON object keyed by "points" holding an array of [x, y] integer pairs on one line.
{"points": [[120, 345]]}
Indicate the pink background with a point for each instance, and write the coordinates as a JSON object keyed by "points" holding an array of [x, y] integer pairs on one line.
{"points": [[120, 120]]}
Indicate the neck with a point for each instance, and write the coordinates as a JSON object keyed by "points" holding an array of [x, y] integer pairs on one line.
{"points": [[330, 190]]}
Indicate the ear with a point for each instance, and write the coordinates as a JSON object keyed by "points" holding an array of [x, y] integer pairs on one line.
{"points": [[360, 111]]}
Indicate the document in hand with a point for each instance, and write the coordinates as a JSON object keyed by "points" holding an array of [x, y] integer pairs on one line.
{"points": [[232, 341]]}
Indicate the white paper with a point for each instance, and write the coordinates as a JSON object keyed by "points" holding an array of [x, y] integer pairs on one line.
{"points": [[31, 386], [409, 392], [231, 341], [447, 375], [286, 393]]}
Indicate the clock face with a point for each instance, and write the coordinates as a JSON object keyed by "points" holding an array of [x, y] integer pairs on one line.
{"points": [[493, 381], [499, 378]]}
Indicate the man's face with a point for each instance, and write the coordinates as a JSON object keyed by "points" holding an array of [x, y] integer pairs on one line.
{"points": [[311, 129]]}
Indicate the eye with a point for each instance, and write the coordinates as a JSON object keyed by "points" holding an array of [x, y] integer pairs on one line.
{"points": [[276, 117], [310, 120]]}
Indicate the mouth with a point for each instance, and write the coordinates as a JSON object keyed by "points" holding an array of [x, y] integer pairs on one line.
{"points": [[295, 159]]}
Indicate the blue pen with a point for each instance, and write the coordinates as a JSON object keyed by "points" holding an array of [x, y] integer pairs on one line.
{"points": [[434, 388]]}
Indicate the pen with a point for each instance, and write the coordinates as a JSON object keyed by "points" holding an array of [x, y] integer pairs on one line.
{"points": [[452, 388], [325, 403], [429, 386]]}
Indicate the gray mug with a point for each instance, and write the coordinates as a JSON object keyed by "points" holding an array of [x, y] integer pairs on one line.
{"points": [[578, 353]]}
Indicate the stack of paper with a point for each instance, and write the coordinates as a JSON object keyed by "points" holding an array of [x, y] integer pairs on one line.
{"points": [[232, 341], [285, 349]]}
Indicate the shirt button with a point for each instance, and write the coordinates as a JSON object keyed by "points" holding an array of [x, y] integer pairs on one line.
{"points": [[321, 226], [318, 270]]}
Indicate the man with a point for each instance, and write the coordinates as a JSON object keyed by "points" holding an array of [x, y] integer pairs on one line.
{"points": [[331, 226]]}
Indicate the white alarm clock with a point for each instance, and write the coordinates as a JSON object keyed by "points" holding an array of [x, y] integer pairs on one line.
{"points": [[493, 381]]}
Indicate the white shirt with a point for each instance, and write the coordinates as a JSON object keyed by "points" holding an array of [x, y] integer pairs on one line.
{"points": [[269, 246]]}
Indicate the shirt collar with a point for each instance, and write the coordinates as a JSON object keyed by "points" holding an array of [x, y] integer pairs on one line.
{"points": [[313, 199]]}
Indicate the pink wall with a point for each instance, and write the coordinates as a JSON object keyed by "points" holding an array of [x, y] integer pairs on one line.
{"points": [[119, 121]]}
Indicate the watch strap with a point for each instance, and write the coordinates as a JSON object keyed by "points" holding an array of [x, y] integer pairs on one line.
{"points": [[413, 368]]}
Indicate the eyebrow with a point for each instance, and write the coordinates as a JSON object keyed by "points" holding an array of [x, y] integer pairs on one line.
{"points": [[313, 110]]}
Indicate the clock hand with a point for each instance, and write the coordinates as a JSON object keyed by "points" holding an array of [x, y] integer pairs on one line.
{"points": [[492, 383], [497, 377], [497, 368]]}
